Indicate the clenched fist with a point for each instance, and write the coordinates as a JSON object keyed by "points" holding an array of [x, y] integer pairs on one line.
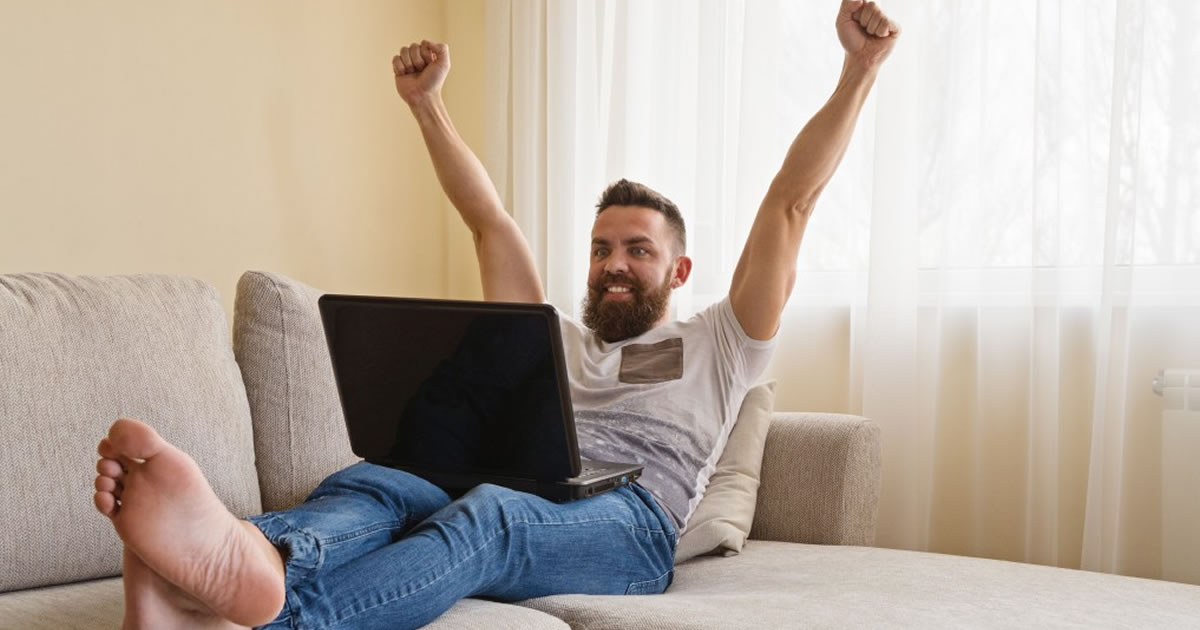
{"points": [[420, 70], [866, 32]]}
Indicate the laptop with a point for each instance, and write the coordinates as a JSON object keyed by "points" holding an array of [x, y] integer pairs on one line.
{"points": [[461, 393]]}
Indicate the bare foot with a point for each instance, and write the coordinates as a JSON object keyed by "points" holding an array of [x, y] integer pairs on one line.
{"points": [[152, 602], [166, 513]]}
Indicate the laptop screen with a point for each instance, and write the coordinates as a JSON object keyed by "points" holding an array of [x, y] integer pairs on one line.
{"points": [[449, 386]]}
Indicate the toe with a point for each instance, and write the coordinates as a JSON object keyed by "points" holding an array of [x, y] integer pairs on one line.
{"points": [[134, 439], [108, 484], [107, 450], [105, 502], [110, 468]]}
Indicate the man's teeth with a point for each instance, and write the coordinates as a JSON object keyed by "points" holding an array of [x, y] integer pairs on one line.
{"points": [[618, 289]]}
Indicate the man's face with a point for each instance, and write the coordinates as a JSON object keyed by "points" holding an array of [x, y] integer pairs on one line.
{"points": [[633, 270]]}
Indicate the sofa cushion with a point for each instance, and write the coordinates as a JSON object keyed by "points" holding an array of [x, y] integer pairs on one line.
{"points": [[790, 585], [94, 604], [299, 432], [722, 520], [76, 353], [478, 614], [99, 604]]}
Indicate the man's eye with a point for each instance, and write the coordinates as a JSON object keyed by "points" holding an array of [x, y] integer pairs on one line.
{"points": [[599, 253], [639, 251]]}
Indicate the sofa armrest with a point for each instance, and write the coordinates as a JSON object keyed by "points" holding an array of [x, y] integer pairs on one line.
{"points": [[820, 480]]}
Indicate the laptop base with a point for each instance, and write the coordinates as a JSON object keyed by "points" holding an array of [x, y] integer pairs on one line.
{"points": [[457, 484]]}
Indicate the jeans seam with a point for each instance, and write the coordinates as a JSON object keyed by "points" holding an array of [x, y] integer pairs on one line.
{"points": [[289, 528], [482, 546], [649, 581], [358, 533]]}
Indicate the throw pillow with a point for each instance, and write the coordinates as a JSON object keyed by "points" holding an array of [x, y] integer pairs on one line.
{"points": [[722, 520]]}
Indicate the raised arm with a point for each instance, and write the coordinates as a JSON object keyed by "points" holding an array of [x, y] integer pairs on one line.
{"points": [[766, 271], [505, 260]]}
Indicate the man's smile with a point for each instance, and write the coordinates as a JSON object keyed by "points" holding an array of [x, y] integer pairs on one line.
{"points": [[618, 292]]}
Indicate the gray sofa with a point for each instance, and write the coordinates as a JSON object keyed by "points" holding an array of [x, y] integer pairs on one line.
{"points": [[257, 411]]}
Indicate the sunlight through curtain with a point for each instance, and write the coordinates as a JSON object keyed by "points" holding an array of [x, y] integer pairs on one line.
{"points": [[1008, 253]]}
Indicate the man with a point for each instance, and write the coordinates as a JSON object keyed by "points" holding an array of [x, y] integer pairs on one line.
{"points": [[377, 547]]}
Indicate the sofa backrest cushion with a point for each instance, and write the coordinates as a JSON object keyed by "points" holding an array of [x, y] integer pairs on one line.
{"points": [[78, 352], [299, 432]]}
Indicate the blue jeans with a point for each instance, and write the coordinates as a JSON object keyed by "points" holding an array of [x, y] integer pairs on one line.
{"points": [[375, 547]]}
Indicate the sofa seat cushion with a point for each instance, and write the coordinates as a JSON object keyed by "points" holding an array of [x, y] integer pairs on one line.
{"points": [[94, 604], [789, 585], [478, 614], [99, 604]]}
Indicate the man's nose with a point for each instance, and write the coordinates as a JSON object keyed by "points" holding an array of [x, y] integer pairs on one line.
{"points": [[616, 264]]}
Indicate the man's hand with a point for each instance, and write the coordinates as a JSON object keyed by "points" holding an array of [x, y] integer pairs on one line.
{"points": [[867, 34], [420, 70]]}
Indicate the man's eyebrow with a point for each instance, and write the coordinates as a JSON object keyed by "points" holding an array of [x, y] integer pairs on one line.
{"points": [[629, 241]]}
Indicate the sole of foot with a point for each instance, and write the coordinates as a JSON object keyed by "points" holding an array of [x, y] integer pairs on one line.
{"points": [[167, 514]]}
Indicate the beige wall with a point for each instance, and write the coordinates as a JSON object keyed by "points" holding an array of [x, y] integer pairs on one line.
{"points": [[208, 138], [465, 98]]}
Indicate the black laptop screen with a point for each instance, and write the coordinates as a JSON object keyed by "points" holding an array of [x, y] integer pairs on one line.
{"points": [[428, 385]]}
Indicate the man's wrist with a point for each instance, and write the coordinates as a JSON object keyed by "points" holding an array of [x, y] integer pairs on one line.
{"points": [[424, 104], [858, 68]]}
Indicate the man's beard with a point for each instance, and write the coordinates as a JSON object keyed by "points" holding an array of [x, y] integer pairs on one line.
{"points": [[614, 320]]}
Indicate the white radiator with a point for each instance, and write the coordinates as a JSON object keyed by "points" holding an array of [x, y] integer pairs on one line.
{"points": [[1180, 390]]}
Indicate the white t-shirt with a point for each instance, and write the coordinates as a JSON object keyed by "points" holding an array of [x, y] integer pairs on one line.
{"points": [[666, 400]]}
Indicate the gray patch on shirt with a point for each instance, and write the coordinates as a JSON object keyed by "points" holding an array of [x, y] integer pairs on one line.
{"points": [[672, 458]]}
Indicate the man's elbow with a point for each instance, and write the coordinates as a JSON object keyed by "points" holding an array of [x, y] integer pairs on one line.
{"points": [[796, 210], [798, 202], [803, 208]]}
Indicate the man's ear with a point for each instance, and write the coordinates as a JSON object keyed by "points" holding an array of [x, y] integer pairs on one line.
{"points": [[683, 270]]}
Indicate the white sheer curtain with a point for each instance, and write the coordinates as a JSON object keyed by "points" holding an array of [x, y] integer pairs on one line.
{"points": [[1009, 252]]}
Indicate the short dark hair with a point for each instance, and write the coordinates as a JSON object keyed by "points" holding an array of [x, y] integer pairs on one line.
{"points": [[626, 193]]}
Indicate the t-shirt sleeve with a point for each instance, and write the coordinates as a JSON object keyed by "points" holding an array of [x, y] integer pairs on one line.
{"points": [[747, 356]]}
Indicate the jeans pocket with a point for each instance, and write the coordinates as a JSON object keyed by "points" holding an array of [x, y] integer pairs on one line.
{"points": [[651, 587]]}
